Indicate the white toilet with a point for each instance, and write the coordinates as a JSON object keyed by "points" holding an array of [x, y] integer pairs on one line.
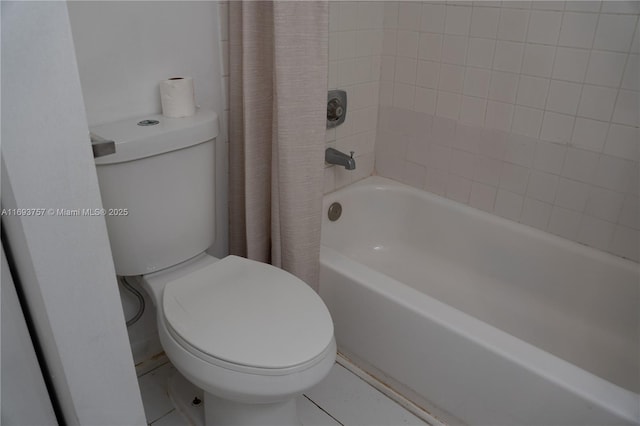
{"points": [[251, 336]]}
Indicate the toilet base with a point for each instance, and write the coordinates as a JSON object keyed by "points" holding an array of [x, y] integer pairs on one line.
{"points": [[213, 411], [223, 412]]}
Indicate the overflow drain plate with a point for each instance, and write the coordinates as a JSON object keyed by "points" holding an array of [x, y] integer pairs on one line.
{"points": [[335, 210]]}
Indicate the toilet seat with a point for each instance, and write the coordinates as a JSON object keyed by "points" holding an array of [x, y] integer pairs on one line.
{"points": [[246, 315]]}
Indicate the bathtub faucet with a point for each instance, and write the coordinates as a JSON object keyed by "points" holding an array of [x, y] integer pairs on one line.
{"points": [[333, 156]]}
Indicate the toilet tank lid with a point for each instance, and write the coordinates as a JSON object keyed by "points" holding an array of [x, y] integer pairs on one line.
{"points": [[134, 141]]}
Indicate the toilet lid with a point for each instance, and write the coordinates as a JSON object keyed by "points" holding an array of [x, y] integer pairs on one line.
{"points": [[248, 313]]}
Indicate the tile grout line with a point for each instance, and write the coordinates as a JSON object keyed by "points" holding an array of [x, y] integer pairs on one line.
{"points": [[323, 410]]}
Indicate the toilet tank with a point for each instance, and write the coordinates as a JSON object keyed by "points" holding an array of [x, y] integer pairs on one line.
{"points": [[158, 189]]}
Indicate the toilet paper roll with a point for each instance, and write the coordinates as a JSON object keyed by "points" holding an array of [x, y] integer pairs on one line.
{"points": [[177, 97]]}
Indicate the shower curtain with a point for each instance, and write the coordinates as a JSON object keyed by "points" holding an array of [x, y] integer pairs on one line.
{"points": [[278, 92]]}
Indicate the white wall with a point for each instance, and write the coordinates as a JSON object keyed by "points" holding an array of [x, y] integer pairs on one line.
{"points": [[124, 49], [63, 263], [25, 400]]}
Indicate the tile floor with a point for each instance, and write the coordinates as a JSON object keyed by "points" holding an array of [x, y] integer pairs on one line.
{"points": [[341, 399]]}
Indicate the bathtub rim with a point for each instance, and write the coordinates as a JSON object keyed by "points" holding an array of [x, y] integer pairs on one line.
{"points": [[381, 183], [594, 389]]}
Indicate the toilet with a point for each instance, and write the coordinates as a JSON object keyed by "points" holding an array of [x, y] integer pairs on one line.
{"points": [[250, 335]]}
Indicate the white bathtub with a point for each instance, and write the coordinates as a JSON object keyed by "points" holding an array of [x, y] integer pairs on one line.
{"points": [[484, 320]]}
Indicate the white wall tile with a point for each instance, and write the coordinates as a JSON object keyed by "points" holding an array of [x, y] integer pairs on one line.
{"points": [[476, 82], [425, 100], [605, 68], [508, 56], [542, 186], [482, 196], [403, 95], [437, 181], [458, 188], [589, 134], [472, 110], [604, 204], [615, 32], [538, 60], [527, 121], [583, 6], [414, 174], [454, 49], [513, 24], [625, 243], [498, 115], [630, 214], [631, 79], [572, 194], [595, 232], [564, 222], [563, 97], [451, 78], [580, 165], [407, 44], [616, 174], [480, 52], [409, 15], [405, 71], [389, 42], [430, 46], [484, 21], [570, 64], [390, 17], [556, 127], [462, 163], [448, 105], [623, 141], [548, 5], [514, 178], [532, 91], [597, 102], [578, 29], [432, 17], [627, 108], [535, 213], [457, 20], [492, 143], [624, 6], [549, 157], [346, 43], [503, 87], [544, 27], [427, 75], [508, 205], [520, 150], [487, 171]]}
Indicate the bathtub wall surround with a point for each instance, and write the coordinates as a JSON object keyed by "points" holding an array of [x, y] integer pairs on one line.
{"points": [[528, 110], [355, 46]]}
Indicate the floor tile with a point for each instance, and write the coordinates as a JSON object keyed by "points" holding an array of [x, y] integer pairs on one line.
{"points": [[153, 387], [311, 415], [353, 402], [174, 418]]}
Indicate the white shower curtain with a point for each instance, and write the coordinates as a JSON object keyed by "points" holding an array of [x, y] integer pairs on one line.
{"points": [[278, 92]]}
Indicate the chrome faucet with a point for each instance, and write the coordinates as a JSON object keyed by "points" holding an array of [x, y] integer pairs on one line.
{"points": [[333, 156]]}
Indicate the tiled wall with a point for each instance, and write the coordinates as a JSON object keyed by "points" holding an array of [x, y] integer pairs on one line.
{"points": [[355, 46], [528, 110]]}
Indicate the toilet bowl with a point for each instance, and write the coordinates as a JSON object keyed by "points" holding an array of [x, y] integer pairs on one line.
{"points": [[250, 335]]}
